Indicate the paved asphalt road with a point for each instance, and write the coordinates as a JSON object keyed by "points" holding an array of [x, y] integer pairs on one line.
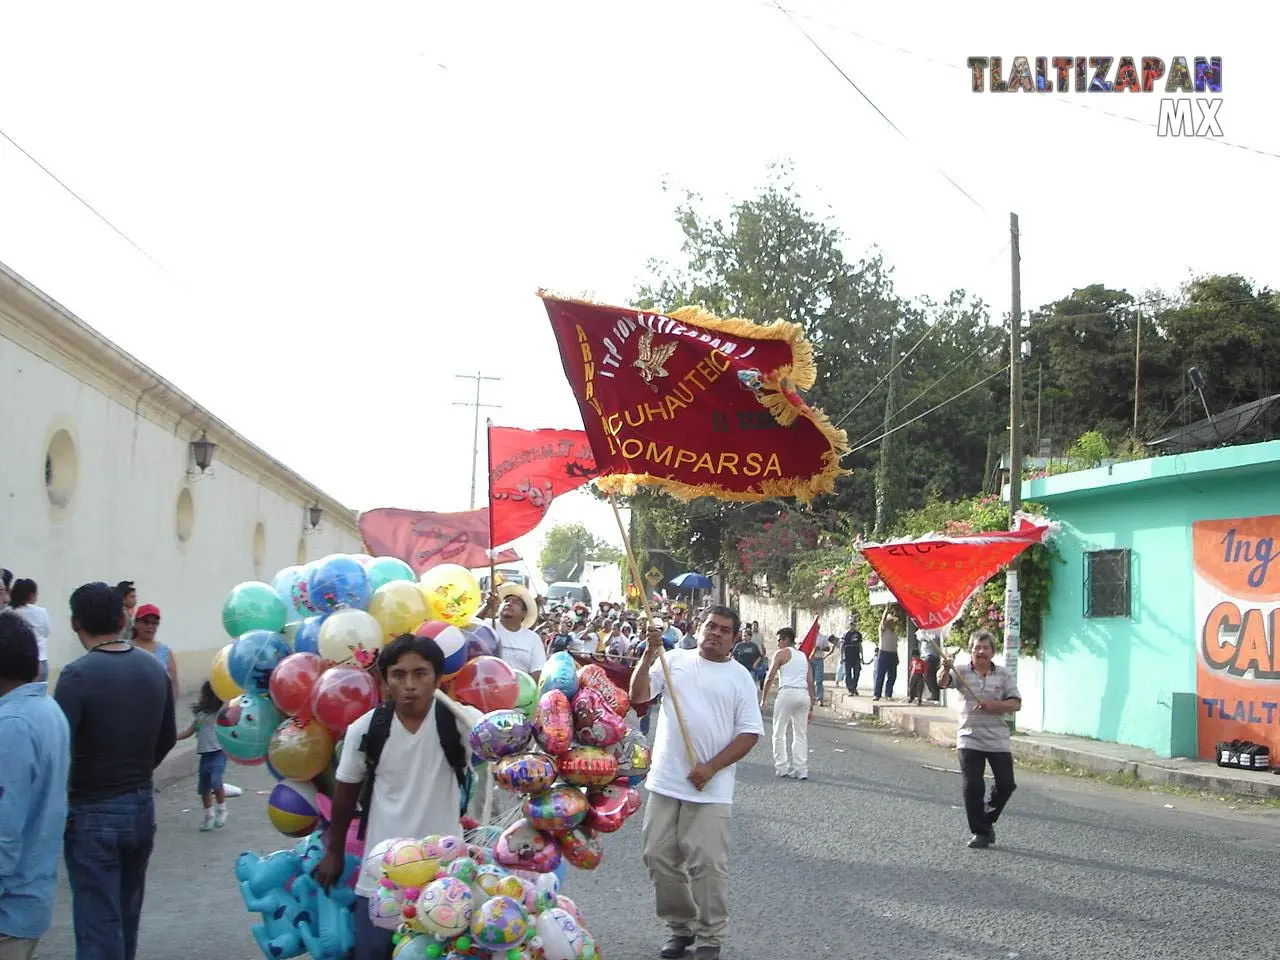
{"points": [[866, 860]]}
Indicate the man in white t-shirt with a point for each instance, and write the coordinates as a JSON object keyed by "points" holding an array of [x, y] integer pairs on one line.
{"points": [[415, 787], [521, 647], [688, 818]]}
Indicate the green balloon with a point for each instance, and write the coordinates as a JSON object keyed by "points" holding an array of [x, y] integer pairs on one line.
{"points": [[527, 698], [253, 606], [382, 570]]}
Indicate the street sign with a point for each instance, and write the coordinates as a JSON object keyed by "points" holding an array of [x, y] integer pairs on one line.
{"points": [[1012, 628], [653, 577]]}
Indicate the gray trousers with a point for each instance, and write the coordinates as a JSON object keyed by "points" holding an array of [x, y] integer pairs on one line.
{"points": [[686, 849]]}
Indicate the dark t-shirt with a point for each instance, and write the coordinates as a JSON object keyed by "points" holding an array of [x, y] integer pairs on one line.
{"points": [[852, 645], [747, 653], [120, 707]]}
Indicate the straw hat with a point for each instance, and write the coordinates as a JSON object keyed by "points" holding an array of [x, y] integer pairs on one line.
{"points": [[529, 600]]}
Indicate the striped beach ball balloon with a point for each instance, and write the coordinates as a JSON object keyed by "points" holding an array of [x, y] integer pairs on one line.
{"points": [[292, 808], [451, 641]]}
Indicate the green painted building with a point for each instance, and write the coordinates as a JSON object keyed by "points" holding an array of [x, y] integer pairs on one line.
{"points": [[1121, 642]]}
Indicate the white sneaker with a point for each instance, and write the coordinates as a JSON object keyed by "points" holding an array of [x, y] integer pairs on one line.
{"points": [[220, 819], [207, 825]]}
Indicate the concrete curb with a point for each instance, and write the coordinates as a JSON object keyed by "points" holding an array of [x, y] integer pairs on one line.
{"points": [[181, 763], [937, 725]]}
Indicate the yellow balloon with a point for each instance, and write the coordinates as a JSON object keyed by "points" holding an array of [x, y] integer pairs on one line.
{"points": [[349, 635], [399, 607], [220, 676], [452, 592]]}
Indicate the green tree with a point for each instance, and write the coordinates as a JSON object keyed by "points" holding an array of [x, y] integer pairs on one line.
{"points": [[567, 549]]}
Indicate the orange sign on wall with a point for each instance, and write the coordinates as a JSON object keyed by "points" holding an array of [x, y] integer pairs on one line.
{"points": [[1237, 570]]}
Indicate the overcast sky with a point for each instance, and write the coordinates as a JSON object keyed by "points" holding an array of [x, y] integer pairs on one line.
{"points": [[353, 203]]}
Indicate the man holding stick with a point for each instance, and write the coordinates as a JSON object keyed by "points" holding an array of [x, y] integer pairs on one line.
{"points": [[989, 694], [688, 819]]}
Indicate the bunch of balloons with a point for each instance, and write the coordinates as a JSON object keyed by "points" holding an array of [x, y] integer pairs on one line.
{"points": [[574, 761], [447, 898]]}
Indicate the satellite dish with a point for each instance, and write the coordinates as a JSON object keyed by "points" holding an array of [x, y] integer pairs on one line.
{"points": [[1217, 430]]}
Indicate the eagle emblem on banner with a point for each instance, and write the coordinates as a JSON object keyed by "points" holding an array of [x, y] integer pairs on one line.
{"points": [[652, 361]]}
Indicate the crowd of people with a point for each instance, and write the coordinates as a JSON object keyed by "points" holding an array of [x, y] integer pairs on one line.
{"points": [[76, 771]]}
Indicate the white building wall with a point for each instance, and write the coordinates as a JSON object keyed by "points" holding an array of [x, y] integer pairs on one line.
{"points": [[122, 519]]}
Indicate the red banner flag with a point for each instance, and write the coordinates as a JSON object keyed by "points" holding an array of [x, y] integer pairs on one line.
{"points": [[934, 577], [810, 641], [423, 539], [527, 470], [695, 404]]}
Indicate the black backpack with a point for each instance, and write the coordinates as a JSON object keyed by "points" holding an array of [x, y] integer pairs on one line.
{"points": [[379, 732]]}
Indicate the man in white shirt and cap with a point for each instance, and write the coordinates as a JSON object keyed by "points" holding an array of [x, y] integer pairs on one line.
{"points": [[517, 613]]}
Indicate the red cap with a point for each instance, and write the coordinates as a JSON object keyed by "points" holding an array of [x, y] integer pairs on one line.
{"points": [[146, 610]]}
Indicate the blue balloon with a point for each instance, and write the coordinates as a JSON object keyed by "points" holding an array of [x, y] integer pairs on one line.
{"points": [[481, 641], [253, 657], [307, 637], [338, 581]]}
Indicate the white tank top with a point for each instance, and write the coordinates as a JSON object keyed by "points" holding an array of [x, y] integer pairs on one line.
{"points": [[794, 674]]}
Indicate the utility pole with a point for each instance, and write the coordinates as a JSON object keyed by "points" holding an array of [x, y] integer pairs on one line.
{"points": [[1012, 596], [475, 430], [1137, 370]]}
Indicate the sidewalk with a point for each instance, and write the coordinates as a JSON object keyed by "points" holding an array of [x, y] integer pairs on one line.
{"points": [[938, 724]]}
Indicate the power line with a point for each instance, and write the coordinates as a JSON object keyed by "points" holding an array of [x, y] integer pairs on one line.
{"points": [[892, 430], [849, 80], [88, 206], [1073, 102], [876, 387]]}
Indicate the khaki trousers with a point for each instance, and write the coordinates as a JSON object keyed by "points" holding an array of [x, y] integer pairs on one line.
{"points": [[14, 948], [686, 848]]}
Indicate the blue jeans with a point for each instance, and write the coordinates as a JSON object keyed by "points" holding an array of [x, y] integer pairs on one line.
{"points": [[817, 666], [372, 943], [886, 673], [107, 846]]}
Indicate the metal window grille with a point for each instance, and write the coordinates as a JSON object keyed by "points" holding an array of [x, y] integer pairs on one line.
{"points": [[1107, 585]]}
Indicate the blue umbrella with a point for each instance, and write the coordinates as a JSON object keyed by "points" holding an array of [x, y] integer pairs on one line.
{"points": [[691, 581]]}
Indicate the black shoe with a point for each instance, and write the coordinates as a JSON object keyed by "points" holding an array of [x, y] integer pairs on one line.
{"points": [[979, 841], [707, 952], [875, 698], [676, 947], [991, 835]]}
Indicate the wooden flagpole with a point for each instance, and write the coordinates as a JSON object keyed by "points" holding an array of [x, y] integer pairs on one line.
{"points": [[662, 653], [493, 574]]}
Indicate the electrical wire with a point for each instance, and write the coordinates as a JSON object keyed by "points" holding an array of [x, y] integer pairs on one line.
{"points": [[849, 80], [88, 206], [901, 360], [938, 406]]}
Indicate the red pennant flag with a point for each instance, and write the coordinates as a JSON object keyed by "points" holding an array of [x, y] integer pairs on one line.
{"points": [[934, 577], [423, 539], [527, 470], [810, 641], [697, 405]]}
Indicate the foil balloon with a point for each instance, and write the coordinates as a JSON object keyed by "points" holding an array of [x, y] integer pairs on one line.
{"points": [[558, 809], [560, 672], [581, 847], [588, 767], [464, 869], [633, 755], [527, 696], [553, 722], [482, 641], [445, 907], [594, 723], [593, 675], [406, 864], [526, 773], [452, 592], [350, 636], [253, 606], [520, 845], [385, 905], [499, 923], [399, 607], [292, 681], [562, 934], [564, 903], [486, 683], [611, 805], [337, 582], [500, 734], [446, 849]]}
